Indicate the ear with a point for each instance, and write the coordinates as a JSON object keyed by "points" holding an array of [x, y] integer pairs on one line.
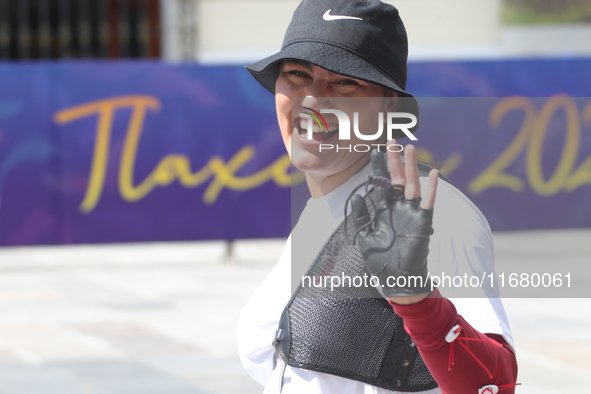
{"points": [[392, 100]]}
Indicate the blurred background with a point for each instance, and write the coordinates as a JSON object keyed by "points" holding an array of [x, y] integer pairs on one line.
{"points": [[145, 190]]}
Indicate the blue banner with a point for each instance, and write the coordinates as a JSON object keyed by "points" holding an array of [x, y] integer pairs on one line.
{"points": [[138, 152], [125, 152]]}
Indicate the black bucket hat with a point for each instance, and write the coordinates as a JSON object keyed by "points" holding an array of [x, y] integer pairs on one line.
{"points": [[363, 39]]}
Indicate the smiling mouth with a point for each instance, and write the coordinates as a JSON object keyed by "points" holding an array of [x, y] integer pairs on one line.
{"points": [[318, 133]]}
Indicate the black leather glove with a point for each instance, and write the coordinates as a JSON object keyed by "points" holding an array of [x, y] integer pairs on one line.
{"points": [[395, 243]]}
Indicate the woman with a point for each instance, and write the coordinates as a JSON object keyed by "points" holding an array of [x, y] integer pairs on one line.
{"points": [[334, 52]]}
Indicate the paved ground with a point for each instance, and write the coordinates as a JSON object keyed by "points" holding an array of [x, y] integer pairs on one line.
{"points": [[160, 318]]}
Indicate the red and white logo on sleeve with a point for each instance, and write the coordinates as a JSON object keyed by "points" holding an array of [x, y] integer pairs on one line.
{"points": [[453, 333], [490, 389]]}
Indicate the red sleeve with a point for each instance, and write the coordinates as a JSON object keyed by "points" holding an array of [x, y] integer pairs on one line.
{"points": [[471, 361]]}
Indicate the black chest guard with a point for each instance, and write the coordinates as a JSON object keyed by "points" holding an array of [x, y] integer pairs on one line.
{"points": [[351, 332]]}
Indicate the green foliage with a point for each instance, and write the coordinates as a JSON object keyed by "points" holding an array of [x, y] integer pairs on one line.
{"points": [[523, 12]]}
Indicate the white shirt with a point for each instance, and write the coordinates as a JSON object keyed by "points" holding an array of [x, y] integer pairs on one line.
{"points": [[461, 242]]}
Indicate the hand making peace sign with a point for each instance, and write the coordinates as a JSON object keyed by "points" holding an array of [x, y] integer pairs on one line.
{"points": [[395, 244]]}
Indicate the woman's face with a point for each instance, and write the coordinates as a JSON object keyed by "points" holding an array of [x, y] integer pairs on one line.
{"points": [[301, 84]]}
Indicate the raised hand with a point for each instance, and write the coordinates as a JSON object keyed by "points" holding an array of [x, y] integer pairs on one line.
{"points": [[395, 246]]}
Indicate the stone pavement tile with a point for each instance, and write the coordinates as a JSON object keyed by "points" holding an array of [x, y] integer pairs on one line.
{"points": [[562, 350], [90, 377], [16, 295], [82, 289], [128, 377], [558, 244], [546, 375], [38, 342], [7, 356], [257, 250], [191, 252], [553, 344], [222, 383], [133, 338], [171, 327], [216, 374], [18, 378]]}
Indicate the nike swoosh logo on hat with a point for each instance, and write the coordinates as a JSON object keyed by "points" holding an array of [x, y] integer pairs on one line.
{"points": [[328, 17]]}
